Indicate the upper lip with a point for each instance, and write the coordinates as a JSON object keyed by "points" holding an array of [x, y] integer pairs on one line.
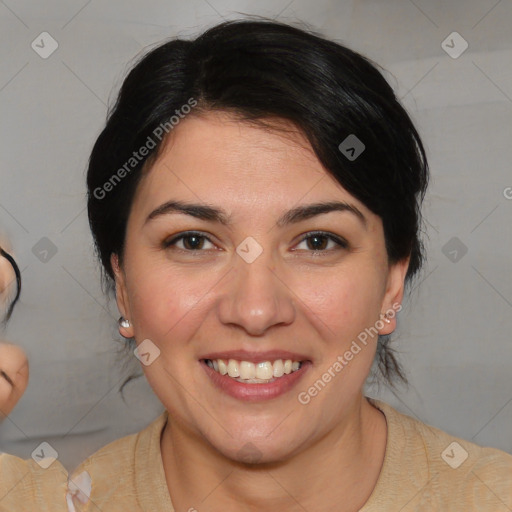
{"points": [[256, 357]]}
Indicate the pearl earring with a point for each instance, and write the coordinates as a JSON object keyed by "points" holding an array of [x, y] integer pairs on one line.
{"points": [[385, 318], [123, 322]]}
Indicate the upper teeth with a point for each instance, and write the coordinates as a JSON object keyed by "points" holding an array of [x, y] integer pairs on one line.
{"points": [[246, 370]]}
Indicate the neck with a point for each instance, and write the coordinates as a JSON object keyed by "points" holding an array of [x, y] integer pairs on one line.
{"points": [[338, 472]]}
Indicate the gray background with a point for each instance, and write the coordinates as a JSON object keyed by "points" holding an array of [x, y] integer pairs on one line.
{"points": [[455, 330]]}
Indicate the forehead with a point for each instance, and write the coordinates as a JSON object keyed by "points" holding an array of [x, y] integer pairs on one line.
{"points": [[219, 159]]}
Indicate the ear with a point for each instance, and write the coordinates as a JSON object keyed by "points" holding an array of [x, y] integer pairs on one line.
{"points": [[123, 303], [392, 301]]}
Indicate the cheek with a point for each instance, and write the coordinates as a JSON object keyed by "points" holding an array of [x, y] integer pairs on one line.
{"points": [[345, 301], [164, 303]]}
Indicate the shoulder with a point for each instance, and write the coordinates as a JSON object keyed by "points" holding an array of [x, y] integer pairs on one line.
{"points": [[116, 477], [449, 471], [26, 485], [111, 476]]}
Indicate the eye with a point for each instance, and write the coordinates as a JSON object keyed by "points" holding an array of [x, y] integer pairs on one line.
{"points": [[319, 242], [190, 241], [193, 241]]}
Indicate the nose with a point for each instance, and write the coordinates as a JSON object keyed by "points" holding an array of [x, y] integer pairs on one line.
{"points": [[255, 298]]}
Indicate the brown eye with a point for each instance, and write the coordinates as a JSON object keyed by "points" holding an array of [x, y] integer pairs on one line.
{"points": [[319, 242], [190, 241]]}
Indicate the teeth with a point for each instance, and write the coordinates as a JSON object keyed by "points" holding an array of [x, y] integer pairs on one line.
{"points": [[233, 368], [247, 370], [278, 368], [223, 367], [264, 371]]}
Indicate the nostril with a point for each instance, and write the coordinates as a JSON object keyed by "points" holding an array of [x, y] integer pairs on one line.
{"points": [[6, 377]]}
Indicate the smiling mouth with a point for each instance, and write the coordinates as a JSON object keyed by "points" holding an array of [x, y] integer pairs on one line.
{"points": [[248, 372]]}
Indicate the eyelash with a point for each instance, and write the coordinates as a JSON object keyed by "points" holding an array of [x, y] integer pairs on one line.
{"points": [[340, 242]]}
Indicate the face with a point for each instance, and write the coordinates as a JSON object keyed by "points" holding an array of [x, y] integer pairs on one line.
{"points": [[7, 280], [257, 278]]}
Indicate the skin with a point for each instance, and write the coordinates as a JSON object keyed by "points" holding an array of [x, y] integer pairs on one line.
{"points": [[13, 360], [13, 377], [325, 455]]}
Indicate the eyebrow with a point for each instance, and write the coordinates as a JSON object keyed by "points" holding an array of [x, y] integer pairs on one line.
{"points": [[297, 214]]}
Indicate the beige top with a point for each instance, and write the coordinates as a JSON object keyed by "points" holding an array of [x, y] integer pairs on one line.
{"points": [[425, 469]]}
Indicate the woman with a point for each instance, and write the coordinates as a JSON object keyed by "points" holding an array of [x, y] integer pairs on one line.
{"points": [[255, 198]]}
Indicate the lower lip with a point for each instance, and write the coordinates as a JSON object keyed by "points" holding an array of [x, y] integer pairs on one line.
{"points": [[256, 392]]}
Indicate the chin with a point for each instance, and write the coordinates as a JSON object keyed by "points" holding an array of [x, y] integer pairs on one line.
{"points": [[258, 452], [256, 449]]}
